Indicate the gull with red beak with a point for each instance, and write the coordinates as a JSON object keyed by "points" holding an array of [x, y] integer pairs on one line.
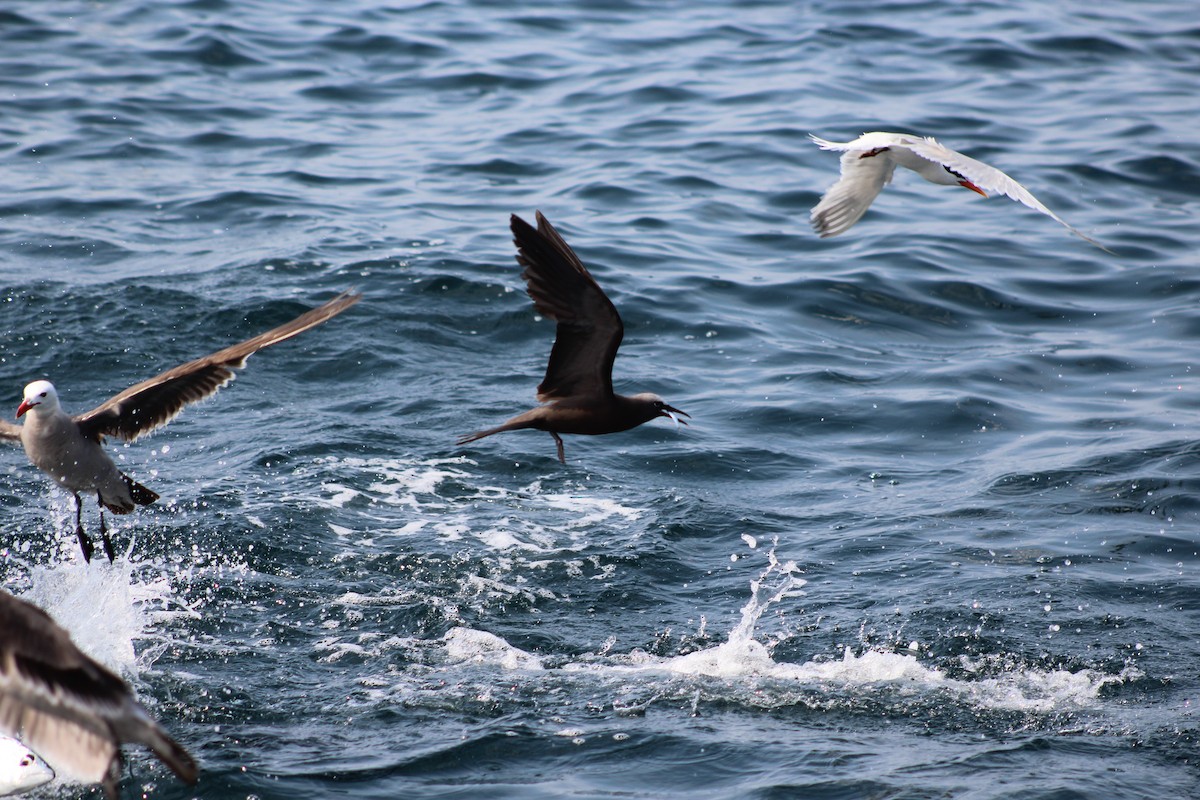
{"points": [[869, 161], [68, 448], [577, 390]]}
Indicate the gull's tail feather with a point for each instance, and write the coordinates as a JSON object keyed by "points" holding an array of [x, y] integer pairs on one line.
{"points": [[141, 495]]}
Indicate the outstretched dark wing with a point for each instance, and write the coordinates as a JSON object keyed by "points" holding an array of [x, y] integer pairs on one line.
{"points": [[589, 327], [153, 403], [69, 708]]}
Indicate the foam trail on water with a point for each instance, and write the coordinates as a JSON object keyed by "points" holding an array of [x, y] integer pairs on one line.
{"points": [[762, 681], [741, 670], [443, 499]]}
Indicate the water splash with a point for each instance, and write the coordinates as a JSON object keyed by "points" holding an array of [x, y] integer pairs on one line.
{"points": [[742, 653], [106, 608], [763, 682]]}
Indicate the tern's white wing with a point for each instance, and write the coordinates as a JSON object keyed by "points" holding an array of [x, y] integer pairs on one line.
{"points": [[863, 178], [868, 141], [986, 177]]}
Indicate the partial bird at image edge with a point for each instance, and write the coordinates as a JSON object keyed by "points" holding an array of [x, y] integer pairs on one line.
{"points": [[68, 708]]}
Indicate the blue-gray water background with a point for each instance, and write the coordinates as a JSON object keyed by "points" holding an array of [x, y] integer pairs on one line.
{"points": [[975, 437]]}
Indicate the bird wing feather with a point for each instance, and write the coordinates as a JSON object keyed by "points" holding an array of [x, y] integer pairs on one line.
{"points": [[987, 177], [589, 328], [865, 171], [10, 432], [66, 706], [153, 403]]}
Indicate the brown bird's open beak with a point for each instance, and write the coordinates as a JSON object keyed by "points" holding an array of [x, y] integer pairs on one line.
{"points": [[25, 406], [674, 414], [968, 185]]}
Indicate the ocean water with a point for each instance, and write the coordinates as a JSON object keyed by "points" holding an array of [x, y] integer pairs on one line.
{"points": [[933, 531]]}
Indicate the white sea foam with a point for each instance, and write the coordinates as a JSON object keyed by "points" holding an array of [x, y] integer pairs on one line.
{"points": [[442, 498], [480, 647], [745, 658], [1041, 691], [396, 482], [365, 645], [359, 599]]}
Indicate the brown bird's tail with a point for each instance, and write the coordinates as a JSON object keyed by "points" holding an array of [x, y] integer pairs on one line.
{"points": [[511, 425], [471, 437]]}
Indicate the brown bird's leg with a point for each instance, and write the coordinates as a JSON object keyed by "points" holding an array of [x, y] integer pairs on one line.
{"points": [[108, 548], [84, 541], [558, 444]]}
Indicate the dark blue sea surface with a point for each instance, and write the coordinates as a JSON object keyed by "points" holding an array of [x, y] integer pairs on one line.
{"points": [[934, 531]]}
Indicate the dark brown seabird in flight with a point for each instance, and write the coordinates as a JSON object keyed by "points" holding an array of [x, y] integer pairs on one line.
{"points": [[71, 710], [68, 448], [577, 389]]}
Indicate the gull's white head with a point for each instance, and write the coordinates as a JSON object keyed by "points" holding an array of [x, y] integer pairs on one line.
{"points": [[38, 395], [20, 768]]}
